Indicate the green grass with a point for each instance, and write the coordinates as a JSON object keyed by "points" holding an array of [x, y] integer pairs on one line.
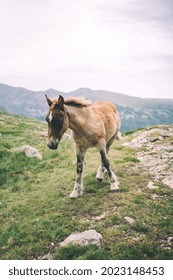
{"points": [[36, 210]]}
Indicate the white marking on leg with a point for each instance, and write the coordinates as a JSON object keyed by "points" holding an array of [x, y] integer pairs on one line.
{"points": [[100, 173], [112, 177], [77, 191], [114, 182], [78, 187]]}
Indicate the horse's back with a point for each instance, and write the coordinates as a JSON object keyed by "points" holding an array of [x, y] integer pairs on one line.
{"points": [[104, 106], [108, 113], [105, 109]]}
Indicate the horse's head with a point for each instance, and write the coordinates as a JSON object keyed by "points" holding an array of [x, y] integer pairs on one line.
{"points": [[57, 120]]}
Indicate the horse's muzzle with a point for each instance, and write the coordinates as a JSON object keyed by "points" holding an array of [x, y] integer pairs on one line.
{"points": [[52, 145]]}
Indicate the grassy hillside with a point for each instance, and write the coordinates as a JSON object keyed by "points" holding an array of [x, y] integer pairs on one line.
{"points": [[37, 213]]}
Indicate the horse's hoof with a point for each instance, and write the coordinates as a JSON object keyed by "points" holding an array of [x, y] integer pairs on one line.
{"points": [[99, 180], [76, 194], [113, 190], [114, 187]]}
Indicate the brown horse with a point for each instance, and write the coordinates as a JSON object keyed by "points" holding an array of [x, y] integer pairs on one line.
{"points": [[92, 124]]}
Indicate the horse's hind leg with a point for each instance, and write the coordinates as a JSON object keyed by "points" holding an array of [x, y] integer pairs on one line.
{"points": [[78, 186], [102, 170], [112, 177], [110, 142]]}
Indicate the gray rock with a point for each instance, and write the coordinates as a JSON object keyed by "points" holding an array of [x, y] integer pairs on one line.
{"points": [[46, 257], [170, 239], [157, 159], [101, 217], [129, 220], [151, 185], [84, 238], [168, 181], [145, 138], [30, 151], [154, 196]]}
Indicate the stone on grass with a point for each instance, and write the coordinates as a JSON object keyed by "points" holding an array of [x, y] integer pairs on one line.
{"points": [[168, 181], [157, 159], [151, 185], [30, 151], [154, 196], [101, 217], [129, 220], [84, 238], [170, 239]]}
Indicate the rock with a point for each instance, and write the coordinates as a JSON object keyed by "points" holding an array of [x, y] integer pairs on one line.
{"points": [[101, 217], [46, 257], [170, 239], [30, 151], [143, 138], [129, 220], [151, 185], [126, 144], [44, 133], [168, 181], [155, 139], [157, 159], [84, 238], [154, 196], [169, 149]]}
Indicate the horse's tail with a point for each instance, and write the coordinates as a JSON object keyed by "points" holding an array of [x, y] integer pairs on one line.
{"points": [[119, 136]]}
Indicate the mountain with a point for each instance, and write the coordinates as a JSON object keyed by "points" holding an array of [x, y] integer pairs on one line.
{"points": [[135, 112]]}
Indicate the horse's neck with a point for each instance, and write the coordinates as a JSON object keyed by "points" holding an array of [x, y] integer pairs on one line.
{"points": [[76, 116]]}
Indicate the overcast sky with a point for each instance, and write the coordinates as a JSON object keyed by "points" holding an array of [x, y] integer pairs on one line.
{"points": [[124, 46]]}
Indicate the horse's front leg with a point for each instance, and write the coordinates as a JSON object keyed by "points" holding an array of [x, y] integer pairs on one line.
{"points": [[78, 186], [100, 173], [112, 177]]}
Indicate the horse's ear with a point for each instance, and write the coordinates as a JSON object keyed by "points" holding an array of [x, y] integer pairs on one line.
{"points": [[61, 102], [48, 100]]}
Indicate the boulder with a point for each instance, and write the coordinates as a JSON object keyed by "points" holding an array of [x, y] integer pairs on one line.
{"points": [[151, 185], [129, 220], [168, 181], [30, 151], [84, 238], [157, 158]]}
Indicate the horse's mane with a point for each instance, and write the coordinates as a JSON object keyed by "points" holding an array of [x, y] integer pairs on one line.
{"points": [[77, 101]]}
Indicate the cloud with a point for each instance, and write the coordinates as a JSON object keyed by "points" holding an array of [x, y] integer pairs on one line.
{"points": [[143, 10], [108, 44]]}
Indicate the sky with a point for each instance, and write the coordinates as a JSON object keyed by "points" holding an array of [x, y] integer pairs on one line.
{"points": [[123, 46]]}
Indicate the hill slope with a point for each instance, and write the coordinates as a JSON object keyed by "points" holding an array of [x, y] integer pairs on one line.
{"points": [[135, 112], [37, 214]]}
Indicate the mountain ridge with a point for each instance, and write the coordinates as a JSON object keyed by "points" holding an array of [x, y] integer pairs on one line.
{"points": [[135, 112]]}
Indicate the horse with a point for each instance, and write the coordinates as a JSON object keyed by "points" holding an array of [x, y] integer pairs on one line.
{"points": [[93, 125]]}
